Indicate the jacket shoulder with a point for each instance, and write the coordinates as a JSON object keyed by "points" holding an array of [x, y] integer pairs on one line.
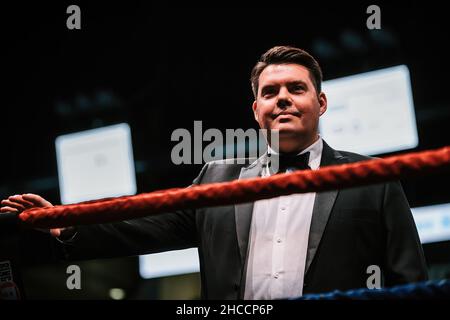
{"points": [[222, 170], [355, 157], [233, 161]]}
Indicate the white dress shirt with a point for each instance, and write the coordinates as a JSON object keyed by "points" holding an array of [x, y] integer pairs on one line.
{"points": [[279, 240]]}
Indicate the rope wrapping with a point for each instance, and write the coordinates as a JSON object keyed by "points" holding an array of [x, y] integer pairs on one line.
{"points": [[240, 191]]}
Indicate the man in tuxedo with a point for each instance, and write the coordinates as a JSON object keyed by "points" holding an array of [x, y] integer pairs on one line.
{"points": [[281, 247]]}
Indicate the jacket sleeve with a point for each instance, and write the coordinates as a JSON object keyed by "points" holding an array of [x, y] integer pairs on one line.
{"points": [[404, 258], [156, 233]]}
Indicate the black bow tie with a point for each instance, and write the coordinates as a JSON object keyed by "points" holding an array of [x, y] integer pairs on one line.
{"points": [[293, 162]]}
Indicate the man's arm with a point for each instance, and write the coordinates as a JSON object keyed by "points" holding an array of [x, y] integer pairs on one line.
{"points": [[404, 259], [162, 232]]}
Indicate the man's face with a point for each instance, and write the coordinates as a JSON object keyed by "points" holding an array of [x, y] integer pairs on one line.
{"points": [[287, 101]]}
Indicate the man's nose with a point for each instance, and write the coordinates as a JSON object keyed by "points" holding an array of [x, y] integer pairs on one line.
{"points": [[284, 99]]}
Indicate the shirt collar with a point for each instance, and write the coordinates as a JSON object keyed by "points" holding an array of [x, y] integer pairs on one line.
{"points": [[315, 153]]}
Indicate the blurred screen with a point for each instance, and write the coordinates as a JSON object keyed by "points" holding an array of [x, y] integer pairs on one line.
{"points": [[99, 163], [370, 113], [95, 164], [433, 222], [169, 263]]}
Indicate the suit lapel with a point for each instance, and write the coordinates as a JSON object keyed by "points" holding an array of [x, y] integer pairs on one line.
{"points": [[322, 205], [243, 211]]}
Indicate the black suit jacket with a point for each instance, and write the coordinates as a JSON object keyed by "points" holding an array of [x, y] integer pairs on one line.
{"points": [[351, 229]]}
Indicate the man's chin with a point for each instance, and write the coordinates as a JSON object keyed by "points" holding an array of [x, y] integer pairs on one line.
{"points": [[289, 148], [291, 140], [289, 131]]}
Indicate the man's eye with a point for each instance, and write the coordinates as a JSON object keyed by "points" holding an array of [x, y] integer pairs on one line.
{"points": [[268, 92], [298, 88]]}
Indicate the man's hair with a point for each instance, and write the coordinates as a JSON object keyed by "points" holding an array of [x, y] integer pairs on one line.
{"points": [[287, 55]]}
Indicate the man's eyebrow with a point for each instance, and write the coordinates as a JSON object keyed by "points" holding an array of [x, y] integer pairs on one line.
{"points": [[290, 83], [269, 86], [298, 82]]}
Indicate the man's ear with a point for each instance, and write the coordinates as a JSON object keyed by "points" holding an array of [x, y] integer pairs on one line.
{"points": [[255, 107], [322, 103]]}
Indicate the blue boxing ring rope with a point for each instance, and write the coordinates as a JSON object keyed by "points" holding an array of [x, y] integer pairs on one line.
{"points": [[436, 289]]}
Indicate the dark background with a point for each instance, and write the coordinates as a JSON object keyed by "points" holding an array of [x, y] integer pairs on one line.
{"points": [[160, 68]]}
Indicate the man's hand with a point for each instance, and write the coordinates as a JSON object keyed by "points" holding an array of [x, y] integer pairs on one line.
{"points": [[19, 203]]}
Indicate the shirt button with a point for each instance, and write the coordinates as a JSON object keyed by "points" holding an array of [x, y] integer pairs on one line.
{"points": [[276, 275], [279, 240], [283, 208]]}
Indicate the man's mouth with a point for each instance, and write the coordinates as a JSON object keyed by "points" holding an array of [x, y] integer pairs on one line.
{"points": [[285, 114]]}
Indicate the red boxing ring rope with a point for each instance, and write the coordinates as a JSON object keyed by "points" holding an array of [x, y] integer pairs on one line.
{"points": [[240, 191]]}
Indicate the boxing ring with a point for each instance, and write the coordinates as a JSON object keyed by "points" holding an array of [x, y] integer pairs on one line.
{"points": [[234, 192]]}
